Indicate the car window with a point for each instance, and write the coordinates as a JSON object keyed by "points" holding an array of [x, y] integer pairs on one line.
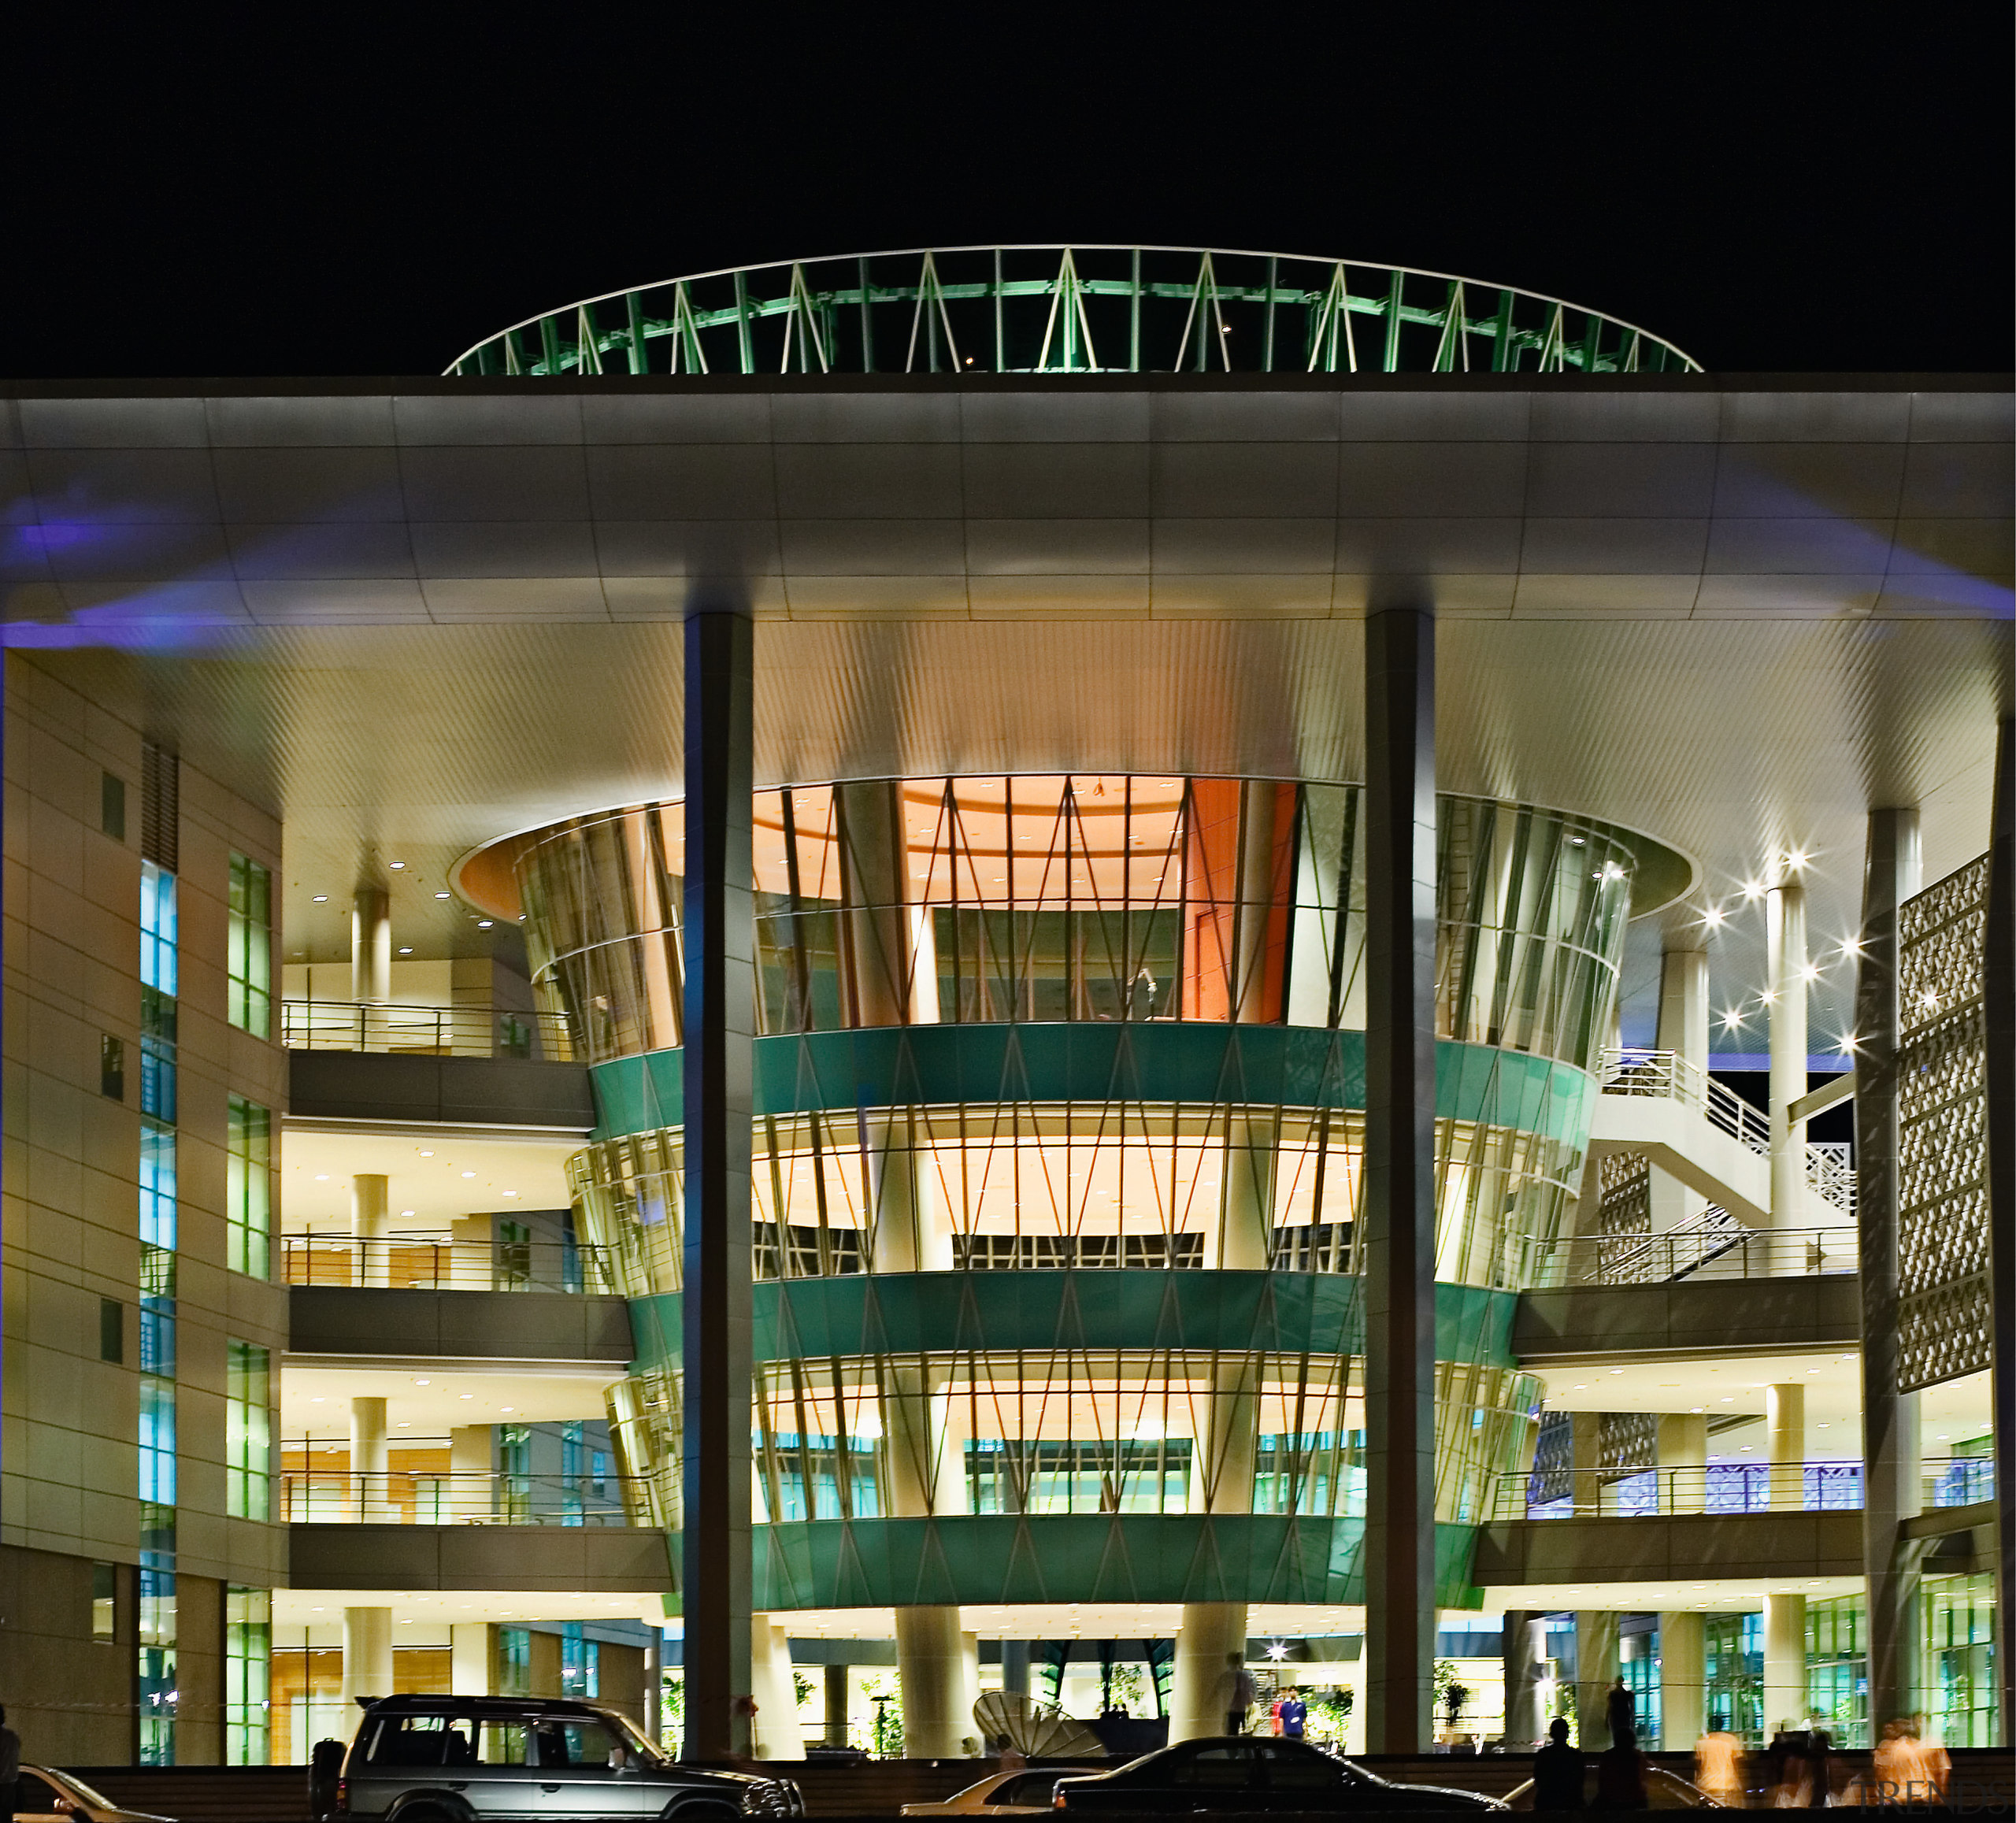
{"points": [[1297, 1769], [34, 1794], [576, 1741], [499, 1743], [1217, 1768], [409, 1741], [1028, 1788]]}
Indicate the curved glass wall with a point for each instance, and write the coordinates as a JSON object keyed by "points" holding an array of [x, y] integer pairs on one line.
{"points": [[1104, 897], [1099, 1038]]}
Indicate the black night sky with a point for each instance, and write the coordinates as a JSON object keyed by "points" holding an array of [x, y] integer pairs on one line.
{"points": [[327, 191]]}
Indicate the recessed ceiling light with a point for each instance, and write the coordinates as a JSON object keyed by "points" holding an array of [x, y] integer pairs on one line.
{"points": [[407, 951], [322, 898], [484, 924], [468, 1174], [469, 1396], [425, 1155], [423, 1382], [444, 895], [405, 1213], [322, 1177]]}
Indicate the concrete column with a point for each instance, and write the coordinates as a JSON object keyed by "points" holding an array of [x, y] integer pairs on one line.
{"points": [[1210, 1649], [1785, 967], [1784, 1436], [1892, 1493], [719, 1026], [367, 1655], [1521, 1651], [369, 1206], [1683, 1681], [653, 1686], [837, 1725], [1399, 1180], [1998, 995], [1683, 1029], [542, 1667], [1784, 1662], [367, 1466], [470, 1646], [931, 1655], [472, 1454], [777, 1735], [1596, 1661], [1015, 1666], [371, 947], [1683, 1459]]}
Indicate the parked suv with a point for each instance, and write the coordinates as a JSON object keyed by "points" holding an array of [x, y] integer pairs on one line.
{"points": [[460, 1759]]}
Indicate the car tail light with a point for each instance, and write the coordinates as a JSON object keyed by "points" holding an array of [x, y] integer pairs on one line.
{"points": [[342, 1794]]}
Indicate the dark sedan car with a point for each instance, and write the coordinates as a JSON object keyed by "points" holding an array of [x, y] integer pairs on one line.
{"points": [[1252, 1773]]}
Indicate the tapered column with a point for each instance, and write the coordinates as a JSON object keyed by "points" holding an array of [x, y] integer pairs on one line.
{"points": [[370, 1208], [371, 945], [838, 1727], [719, 1027], [1785, 1661], [469, 1646], [367, 1655], [1785, 965], [1784, 1436], [1683, 1030], [1683, 1459], [1683, 1681], [931, 1654], [1520, 1651], [777, 1735], [1015, 1666], [1211, 1647], [1596, 1663], [1998, 990], [1399, 1180], [1889, 1417], [367, 1461]]}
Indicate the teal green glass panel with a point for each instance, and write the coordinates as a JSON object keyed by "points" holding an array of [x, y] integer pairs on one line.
{"points": [[953, 1313], [1198, 1062]]}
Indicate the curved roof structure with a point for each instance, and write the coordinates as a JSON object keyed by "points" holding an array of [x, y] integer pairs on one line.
{"points": [[1071, 310]]}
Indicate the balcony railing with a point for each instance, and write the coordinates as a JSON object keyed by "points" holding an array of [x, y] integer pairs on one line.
{"points": [[1723, 1487], [425, 1031], [401, 1265], [337, 1497], [1713, 1246]]}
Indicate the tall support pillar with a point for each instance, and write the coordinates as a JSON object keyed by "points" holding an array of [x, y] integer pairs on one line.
{"points": [[1015, 1667], [719, 1027], [1785, 966], [1682, 1681], [1520, 1648], [371, 945], [1596, 1663], [367, 1655], [1683, 1029], [1889, 1417], [370, 1213], [369, 1464], [1784, 1662], [775, 1726], [838, 1727], [1998, 990], [1399, 1180], [1784, 1436]]}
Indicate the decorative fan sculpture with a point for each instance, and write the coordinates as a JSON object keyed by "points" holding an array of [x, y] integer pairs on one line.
{"points": [[1038, 1731]]}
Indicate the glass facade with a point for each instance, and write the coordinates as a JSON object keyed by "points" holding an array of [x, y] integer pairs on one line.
{"points": [[248, 1186], [1095, 1029], [248, 1642], [1957, 1682], [248, 950], [1733, 1649], [1837, 1668], [248, 1426]]}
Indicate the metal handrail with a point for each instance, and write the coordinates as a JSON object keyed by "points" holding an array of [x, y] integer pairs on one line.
{"points": [[1762, 1486], [1702, 1250], [1666, 1074], [425, 1031], [423, 1263], [418, 1497]]}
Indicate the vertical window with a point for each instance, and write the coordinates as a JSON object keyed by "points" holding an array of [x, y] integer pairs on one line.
{"points": [[111, 1329], [249, 963], [157, 928], [157, 1440], [248, 1433], [104, 1601], [248, 1185], [157, 1019], [248, 1649], [157, 1692], [514, 1661], [112, 805], [111, 1068]]}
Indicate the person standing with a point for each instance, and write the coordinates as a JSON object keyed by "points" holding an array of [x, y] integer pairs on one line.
{"points": [[10, 1767], [1558, 1771], [1622, 1714], [1718, 1765], [1240, 1690], [1293, 1714]]}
